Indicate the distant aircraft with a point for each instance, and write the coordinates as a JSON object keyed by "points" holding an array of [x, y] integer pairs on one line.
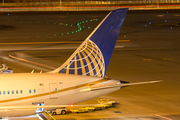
{"points": [[80, 78]]}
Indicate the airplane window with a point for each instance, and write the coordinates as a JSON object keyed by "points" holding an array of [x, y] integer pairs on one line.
{"points": [[16, 91], [8, 92], [34, 91], [4, 92], [29, 91], [21, 91], [12, 91]]}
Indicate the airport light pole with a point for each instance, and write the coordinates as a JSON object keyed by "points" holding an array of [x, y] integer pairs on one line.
{"points": [[60, 4], [157, 3]]}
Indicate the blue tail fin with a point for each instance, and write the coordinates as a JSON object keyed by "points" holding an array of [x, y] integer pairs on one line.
{"points": [[92, 57]]}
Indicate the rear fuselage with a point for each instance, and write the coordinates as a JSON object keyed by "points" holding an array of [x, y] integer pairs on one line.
{"points": [[34, 89]]}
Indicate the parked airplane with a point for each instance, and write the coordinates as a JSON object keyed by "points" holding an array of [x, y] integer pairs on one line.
{"points": [[80, 78]]}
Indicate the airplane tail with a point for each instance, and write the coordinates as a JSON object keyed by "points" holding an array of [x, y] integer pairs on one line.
{"points": [[92, 57]]}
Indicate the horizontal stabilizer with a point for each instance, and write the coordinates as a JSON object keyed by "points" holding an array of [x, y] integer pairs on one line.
{"points": [[118, 85]]}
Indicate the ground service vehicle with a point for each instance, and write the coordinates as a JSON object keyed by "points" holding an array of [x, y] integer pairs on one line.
{"points": [[5, 70], [61, 111]]}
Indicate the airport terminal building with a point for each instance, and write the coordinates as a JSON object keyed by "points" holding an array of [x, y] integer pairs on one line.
{"points": [[82, 5]]}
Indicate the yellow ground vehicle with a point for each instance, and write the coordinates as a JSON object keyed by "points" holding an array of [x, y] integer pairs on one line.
{"points": [[80, 110], [74, 110], [91, 108], [103, 103]]}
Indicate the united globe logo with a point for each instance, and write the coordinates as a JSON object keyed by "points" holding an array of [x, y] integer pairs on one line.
{"points": [[87, 61]]}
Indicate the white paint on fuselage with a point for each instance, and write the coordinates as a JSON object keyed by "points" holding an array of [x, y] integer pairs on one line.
{"points": [[68, 87]]}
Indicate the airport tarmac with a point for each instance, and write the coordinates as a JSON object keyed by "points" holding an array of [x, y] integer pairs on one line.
{"points": [[147, 49]]}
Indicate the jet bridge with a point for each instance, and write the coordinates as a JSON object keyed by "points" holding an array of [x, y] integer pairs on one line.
{"points": [[5, 70]]}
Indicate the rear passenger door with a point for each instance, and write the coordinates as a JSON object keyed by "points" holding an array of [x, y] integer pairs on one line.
{"points": [[53, 91]]}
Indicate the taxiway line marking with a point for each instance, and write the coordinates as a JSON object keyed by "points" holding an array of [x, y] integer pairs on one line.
{"points": [[167, 58], [149, 49], [147, 59], [29, 43], [163, 117], [123, 40]]}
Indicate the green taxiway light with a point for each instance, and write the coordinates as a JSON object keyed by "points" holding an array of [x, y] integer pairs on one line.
{"points": [[72, 32], [82, 21], [76, 31], [54, 23], [88, 27], [71, 25], [66, 24], [38, 36], [67, 33], [54, 34], [62, 33], [86, 21], [59, 23], [46, 35], [47, 22]]}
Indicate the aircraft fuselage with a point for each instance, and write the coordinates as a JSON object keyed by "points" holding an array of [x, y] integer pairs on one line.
{"points": [[32, 89]]}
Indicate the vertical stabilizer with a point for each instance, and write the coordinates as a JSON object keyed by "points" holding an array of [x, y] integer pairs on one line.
{"points": [[92, 57]]}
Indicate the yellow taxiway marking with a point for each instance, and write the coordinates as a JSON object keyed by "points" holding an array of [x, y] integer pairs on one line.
{"points": [[176, 15], [123, 40], [160, 15], [29, 43], [147, 59], [167, 58], [149, 49]]}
